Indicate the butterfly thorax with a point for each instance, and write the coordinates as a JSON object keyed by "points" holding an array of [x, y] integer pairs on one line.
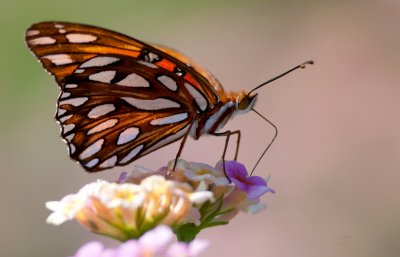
{"points": [[230, 104]]}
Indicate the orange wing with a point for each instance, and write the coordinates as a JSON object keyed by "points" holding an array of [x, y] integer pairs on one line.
{"points": [[121, 98]]}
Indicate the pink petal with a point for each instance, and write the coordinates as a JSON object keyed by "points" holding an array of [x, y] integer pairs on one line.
{"points": [[91, 249]]}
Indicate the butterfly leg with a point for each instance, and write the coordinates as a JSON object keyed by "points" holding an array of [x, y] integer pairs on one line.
{"points": [[228, 134], [181, 146], [270, 143]]}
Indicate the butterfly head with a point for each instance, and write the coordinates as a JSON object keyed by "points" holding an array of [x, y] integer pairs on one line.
{"points": [[245, 101]]}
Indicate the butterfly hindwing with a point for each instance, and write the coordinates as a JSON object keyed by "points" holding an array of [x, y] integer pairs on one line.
{"points": [[114, 127]]}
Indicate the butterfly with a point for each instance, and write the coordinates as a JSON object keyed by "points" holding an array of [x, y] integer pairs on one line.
{"points": [[122, 98]]}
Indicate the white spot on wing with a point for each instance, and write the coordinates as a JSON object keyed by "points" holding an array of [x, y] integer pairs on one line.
{"points": [[167, 140], [60, 111], [75, 101], [103, 126], [70, 137], [71, 85], [42, 41], [134, 80], [103, 76], [168, 82], [132, 154], [170, 119], [65, 95], [92, 163], [80, 38], [99, 61], [32, 32], [127, 135], [67, 128], [72, 148], [61, 31], [65, 118], [148, 64], [59, 59], [156, 104], [79, 71], [59, 26], [101, 110], [110, 162], [152, 56], [92, 149], [198, 97]]}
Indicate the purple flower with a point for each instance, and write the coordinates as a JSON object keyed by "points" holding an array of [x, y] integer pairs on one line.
{"points": [[254, 186], [160, 242], [94, 248]]}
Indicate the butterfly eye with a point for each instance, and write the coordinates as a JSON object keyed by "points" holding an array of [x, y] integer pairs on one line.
{"points": [[245, 102]]}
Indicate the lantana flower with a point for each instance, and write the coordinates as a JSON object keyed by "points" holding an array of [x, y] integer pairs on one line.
{"points": [[241, 195], [254, 186], [158, 242], [125, 211], [188, 198]]}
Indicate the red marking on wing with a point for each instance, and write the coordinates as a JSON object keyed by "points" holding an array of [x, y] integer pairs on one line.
{"points": [[189, 78], [169, 66]]}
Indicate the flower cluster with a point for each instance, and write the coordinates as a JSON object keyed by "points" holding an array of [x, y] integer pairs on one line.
{"points": [[127, 210], [185, 196]]}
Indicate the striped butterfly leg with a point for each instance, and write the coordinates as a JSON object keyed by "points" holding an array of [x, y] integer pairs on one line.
{"points": [[228, 134]]}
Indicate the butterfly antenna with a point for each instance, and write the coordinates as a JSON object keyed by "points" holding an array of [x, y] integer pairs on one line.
{"points": [[300, 66], [273, 139]]}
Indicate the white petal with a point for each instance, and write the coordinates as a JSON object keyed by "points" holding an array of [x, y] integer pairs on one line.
{"points": [[201, 197]]}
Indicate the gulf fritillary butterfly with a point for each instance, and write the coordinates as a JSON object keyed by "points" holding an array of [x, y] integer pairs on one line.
{"points": [[122, 98]]}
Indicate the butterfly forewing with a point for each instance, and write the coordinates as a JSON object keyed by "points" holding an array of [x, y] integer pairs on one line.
{"points": [[61, 47], [121, 98]]}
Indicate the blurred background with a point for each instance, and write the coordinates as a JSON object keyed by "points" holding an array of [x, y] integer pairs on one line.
{"points": [[335, 164]]}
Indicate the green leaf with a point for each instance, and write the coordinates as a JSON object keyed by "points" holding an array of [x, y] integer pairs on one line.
{"points": [[216, 223], [187, 232]]}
